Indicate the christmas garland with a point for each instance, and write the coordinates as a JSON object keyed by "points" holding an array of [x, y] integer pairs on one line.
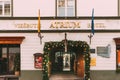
{"points": [[73, 45]]}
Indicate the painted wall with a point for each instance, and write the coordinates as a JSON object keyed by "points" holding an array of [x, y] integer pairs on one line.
{"points": [[101, 7], [31, 45], [29, 8]]}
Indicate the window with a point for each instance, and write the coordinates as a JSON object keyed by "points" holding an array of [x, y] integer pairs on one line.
{"points": [[7, 58], [5, 7], [66, 8], [117, 41], [118, 57], [10, 55]]}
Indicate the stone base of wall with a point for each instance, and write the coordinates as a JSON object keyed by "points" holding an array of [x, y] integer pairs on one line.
{"points": [[104, 75], [31, 75]]}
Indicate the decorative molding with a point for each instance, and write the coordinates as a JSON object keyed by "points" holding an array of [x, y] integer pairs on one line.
{"points": [[61, 18], [11, 40], [58, 31]]}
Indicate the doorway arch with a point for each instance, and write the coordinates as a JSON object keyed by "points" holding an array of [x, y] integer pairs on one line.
{"points": [[61, 61], [79, 47]]}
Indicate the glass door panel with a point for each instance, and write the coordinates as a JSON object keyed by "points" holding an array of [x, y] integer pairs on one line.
{"points": [[4, 61], [12, 52], [66, 62]]}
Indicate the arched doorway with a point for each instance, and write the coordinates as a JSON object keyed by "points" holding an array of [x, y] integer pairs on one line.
{"points": [[61, 61], [81, 64]]}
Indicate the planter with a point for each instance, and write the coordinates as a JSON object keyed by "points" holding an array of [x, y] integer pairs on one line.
{"points": [[17, 73]]}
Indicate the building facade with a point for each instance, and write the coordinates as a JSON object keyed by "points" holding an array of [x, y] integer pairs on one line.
{"points": [[19, 35]]}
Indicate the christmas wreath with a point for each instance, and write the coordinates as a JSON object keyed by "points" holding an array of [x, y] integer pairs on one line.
{"points": [[73, 45]]}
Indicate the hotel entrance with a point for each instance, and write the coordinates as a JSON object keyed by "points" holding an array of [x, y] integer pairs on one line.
{"points": [[67, 63], [62, 62], [75, 60]]}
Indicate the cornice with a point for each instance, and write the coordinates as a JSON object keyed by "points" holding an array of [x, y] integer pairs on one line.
{"points": [[61, 18]]}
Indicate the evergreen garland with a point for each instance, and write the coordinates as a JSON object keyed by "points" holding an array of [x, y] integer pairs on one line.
{"points": [[17, 62], [73, 45]]}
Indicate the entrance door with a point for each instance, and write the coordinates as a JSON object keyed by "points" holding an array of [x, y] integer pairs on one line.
{"points": [[62, 62], [117, 41], [118, 58], [80, 66], [66, 62]]}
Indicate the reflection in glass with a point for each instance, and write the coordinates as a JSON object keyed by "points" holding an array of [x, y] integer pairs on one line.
{"points": [[61, 3], [4, 52], [66, 62], [70, 3], [7, 9], [12, 52]]}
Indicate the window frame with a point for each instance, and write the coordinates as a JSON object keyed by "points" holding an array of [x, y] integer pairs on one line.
{"points": [[3, 2], [117, 42], [12, 41], [8, 46], [75, 9]]}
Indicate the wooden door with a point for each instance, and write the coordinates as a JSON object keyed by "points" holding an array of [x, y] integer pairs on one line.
{"points": [[80, 66]]}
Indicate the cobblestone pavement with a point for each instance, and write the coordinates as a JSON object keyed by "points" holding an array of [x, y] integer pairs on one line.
{"points": [[61, 76]]}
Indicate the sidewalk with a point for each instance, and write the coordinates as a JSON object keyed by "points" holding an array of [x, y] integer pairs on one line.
{"points": [[62, 76], [94, 75], [104, 75]]}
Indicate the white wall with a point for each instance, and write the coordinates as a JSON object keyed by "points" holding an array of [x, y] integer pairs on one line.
{"points": [[31, 45], [101, 7], [29, 8], [102, 40]]}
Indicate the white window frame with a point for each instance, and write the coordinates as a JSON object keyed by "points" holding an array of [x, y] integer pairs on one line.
{"points": [[66, 8], [3, 2]]}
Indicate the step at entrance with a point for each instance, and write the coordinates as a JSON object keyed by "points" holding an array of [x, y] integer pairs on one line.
{"points": [[63, 76]]}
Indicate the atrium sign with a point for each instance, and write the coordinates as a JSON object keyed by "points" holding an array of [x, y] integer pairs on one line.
{"points": [[65, 25], [74, 25], [59, 24]]}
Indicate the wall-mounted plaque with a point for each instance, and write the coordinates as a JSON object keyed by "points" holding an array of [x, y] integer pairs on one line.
{"points": [[38, 58], [104, 51], [93, 62]]}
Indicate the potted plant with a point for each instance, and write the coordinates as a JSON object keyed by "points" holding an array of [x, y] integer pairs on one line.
{"points": [[17, 64]]}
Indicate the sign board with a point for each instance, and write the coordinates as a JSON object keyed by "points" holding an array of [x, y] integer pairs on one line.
{"points": [[104, 51], [38, 58], [93, 62], [59, 24]]}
